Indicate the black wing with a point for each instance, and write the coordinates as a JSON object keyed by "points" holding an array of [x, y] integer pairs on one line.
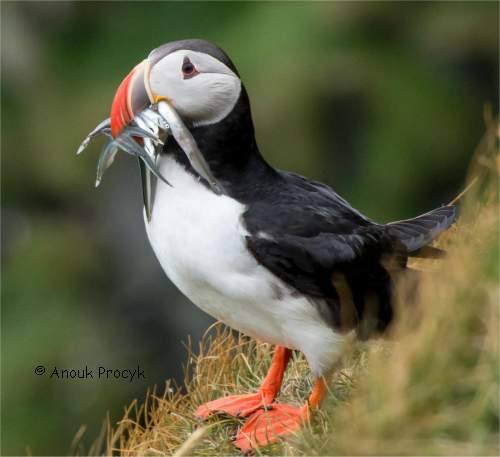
{"points": [[317, 243], [350, 273]]}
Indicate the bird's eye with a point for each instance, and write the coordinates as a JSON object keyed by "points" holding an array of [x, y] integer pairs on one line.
{"points": [[188, 69]]}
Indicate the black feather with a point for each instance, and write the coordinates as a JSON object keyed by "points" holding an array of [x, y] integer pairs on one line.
{"points": [[420, 231]]}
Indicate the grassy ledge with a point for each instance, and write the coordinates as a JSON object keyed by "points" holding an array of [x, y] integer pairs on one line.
{"points": [[429, 388]]}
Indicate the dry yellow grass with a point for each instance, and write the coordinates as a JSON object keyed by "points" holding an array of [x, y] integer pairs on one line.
{"points": [[224, 363], [431, 388]]}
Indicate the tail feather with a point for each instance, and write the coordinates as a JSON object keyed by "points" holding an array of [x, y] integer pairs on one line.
{"points": [[420, 231]]}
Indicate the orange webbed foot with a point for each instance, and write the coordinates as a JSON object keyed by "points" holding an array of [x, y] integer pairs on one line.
{"points": [[233, 405], [268, 425], [277, 420], [244, 405]]}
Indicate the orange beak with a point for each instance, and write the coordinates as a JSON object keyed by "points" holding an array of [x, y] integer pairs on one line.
{"points": [[132, 96]]}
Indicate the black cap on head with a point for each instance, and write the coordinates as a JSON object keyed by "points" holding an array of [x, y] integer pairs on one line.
{"points": [[192, 45]]}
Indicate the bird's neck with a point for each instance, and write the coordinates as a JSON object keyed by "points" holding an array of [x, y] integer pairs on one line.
{"points": [[231, 151]]}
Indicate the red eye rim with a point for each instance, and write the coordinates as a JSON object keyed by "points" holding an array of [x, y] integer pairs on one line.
{"points": [[188, 68]]}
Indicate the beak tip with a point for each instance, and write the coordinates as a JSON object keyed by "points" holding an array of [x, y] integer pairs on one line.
{"points": [[97, 182]]}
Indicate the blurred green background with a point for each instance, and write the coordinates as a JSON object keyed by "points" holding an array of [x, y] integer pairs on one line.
{"points": [[383, 101]]}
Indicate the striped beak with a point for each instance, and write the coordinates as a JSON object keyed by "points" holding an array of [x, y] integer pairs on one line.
{"points": [[132, 97]]}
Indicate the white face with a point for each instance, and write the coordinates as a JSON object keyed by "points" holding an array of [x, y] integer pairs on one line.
{"points": [[201, 88]]}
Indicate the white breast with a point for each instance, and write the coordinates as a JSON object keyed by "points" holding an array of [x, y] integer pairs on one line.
{"points": [[199, 240]]}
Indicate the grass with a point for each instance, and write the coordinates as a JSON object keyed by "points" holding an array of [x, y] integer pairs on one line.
{"points": [[430, 388]]}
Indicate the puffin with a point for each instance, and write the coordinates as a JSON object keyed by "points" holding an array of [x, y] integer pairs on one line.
{"points": [[272, 254]]}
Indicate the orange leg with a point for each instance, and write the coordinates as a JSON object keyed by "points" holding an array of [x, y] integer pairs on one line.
{"points": [[244, 405], [269, 425]]}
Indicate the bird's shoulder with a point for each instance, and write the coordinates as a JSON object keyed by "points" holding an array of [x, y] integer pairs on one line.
{"points": [[296, 205]]}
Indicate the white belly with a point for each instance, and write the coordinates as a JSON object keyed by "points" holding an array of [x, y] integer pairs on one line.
{"points": [[199, 241]]}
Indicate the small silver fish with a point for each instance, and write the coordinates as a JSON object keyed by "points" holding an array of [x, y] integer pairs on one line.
{"points": [[151, 127], [187, 143]]}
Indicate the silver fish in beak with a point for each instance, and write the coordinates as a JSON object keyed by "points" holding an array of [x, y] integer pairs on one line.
{"points": [[139, 125]]}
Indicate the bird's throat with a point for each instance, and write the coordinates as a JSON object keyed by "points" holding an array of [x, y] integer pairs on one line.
{"points": [[231, 151]]}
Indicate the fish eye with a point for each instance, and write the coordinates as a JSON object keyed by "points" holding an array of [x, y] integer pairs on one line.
{"points": [[188, 69]]}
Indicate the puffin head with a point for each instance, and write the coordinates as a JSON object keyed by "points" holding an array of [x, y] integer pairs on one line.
{"points": [[195, 76]]}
